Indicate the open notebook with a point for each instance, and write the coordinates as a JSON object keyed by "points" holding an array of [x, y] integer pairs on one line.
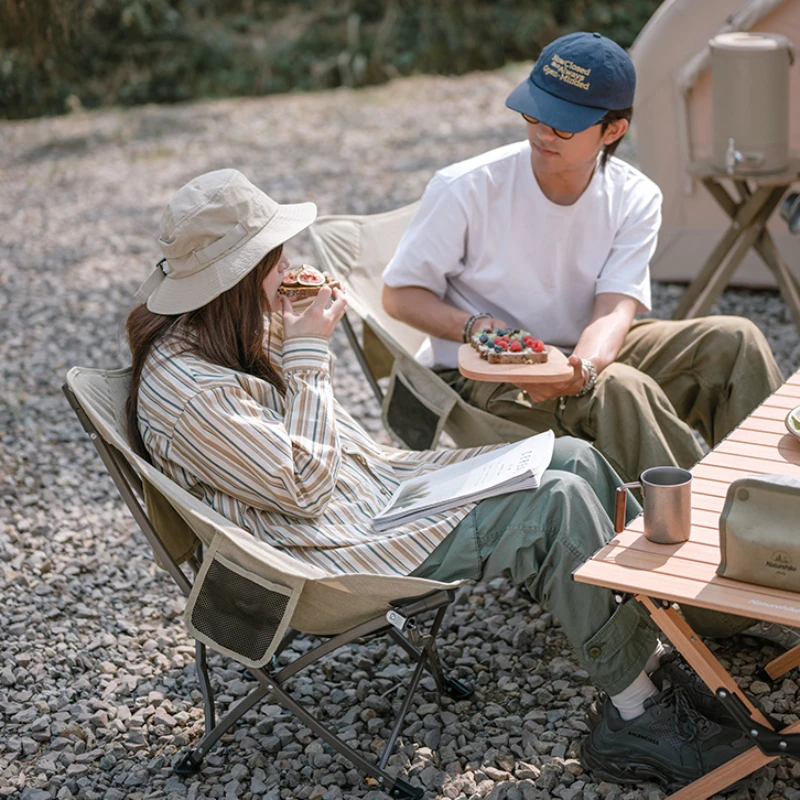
{"points": [[511, 468]]}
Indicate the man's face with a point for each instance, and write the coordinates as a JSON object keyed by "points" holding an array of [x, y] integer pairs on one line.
{"points": [[551, 153]]}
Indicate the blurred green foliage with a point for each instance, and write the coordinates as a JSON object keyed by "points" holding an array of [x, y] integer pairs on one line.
{"points": [[60, 55]]}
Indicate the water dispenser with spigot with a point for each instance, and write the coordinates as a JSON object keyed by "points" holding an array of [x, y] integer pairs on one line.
{"points": [[750, 102]]}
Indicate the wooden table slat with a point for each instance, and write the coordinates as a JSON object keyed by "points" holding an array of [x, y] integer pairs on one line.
{"points": [[747, 601], [716, 489], [703, 572], [752, 423], [707, 502], [728, 468], [755, 444], [693, 550], [776, 411]]}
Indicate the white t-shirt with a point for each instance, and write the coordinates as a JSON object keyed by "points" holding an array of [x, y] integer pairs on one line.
{"points": [[485, 238]]}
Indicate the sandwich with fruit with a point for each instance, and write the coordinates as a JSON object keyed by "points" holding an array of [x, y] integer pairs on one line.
{"points": [[305, 281], [509, 346]]}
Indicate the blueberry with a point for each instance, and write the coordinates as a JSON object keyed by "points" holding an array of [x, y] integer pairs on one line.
{"points": [[498, 349], [499, 331], [483, 338]]}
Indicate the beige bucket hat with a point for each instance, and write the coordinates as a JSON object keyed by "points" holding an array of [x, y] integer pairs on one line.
{"points": [[214, 230]]}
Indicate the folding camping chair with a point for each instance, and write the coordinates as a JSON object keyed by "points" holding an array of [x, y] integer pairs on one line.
{"points": [[417, 405], [248, 600]]}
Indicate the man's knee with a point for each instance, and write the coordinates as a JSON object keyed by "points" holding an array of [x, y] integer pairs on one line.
{"points": [[732, 346], [730, 334], [624, 387]]}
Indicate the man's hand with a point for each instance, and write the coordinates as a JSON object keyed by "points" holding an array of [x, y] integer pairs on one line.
{"points": [[487, 322], [541, 392]]}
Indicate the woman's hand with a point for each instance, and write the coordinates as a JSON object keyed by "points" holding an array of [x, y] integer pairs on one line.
{"points": [[319, 319]]}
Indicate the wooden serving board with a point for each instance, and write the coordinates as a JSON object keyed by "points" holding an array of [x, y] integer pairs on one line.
{"points": [[555, 369]]}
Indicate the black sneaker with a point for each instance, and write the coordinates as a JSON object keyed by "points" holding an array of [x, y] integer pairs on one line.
{"points": [[671, 671], [670, 744]]}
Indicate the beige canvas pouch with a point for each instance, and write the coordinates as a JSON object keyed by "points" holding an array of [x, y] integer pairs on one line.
{"points": [[759, 532]]}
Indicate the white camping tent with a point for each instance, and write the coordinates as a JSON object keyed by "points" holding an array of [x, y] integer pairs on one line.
{"points": [[673, 126]]}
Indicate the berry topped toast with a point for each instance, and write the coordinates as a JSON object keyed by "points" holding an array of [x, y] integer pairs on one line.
{"points": [[305, 281], [509, 346]]}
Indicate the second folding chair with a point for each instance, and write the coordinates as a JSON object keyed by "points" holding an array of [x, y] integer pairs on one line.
{"points": [[417, 405]]}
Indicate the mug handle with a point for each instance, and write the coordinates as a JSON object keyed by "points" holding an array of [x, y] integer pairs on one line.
{"points": [[621, 505]]}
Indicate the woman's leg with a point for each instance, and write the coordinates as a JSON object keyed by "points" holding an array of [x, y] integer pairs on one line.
{"points": [[539, 539]]}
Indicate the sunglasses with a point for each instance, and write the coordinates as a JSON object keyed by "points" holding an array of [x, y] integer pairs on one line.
{"points": [[561, 134]]}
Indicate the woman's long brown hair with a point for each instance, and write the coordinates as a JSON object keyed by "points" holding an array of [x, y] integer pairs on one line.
{"points": [[228, 331]]}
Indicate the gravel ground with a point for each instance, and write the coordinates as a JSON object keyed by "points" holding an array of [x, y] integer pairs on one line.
{"points": [[97, 686]]}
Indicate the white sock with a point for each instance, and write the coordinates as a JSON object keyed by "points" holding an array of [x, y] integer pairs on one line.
{"points": [[655, 659], [630, 701]]}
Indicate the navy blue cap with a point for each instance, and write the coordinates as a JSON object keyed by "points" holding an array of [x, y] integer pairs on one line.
{"points": [[577, 78]]}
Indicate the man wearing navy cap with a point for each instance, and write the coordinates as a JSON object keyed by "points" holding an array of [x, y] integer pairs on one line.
{"points": [[554, 235]]}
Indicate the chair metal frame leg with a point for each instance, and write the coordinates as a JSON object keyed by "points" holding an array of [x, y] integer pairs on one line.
{"points": [[272, 682], [201, 667], [352, 338]]}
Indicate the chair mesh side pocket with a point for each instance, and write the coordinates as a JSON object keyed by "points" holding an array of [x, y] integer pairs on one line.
{"points": [[413, 417], [238, 613]]}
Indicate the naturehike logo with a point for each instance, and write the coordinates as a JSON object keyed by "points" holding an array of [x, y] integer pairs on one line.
{"points": [[567, 72], [782, 561]]}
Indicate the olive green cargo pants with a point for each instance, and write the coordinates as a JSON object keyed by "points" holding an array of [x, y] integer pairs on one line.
{"points": [[539, 538], [669, 379]]}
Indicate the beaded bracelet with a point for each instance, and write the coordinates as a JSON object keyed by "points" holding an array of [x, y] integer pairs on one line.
{"points": [[470, 322], [587, 387]]}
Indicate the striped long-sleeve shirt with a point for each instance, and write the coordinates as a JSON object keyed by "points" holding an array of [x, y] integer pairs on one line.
{"points": [[297, 471]]}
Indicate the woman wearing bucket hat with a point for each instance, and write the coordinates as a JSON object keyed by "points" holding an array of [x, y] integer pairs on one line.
{"points": [[233, 401], [554, 234]]}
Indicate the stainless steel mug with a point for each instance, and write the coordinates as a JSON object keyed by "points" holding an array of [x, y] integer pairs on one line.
{"points": [[667, 504]]}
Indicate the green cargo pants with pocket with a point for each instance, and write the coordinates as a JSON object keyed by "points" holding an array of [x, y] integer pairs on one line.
{"points": [[539, 538]]}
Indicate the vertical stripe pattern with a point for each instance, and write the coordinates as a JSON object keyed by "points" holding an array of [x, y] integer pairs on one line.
{"points": [[297, 471]]}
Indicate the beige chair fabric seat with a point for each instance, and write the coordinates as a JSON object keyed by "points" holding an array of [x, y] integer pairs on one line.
{"points": [[417, 405], [317, 602]]}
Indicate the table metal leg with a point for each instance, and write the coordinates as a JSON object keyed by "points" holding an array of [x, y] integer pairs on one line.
{"points": [[714, 675], [697, 655]]}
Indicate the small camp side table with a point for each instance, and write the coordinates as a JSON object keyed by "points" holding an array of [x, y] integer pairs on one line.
{"points": [[758, 197], [659, 575]]}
